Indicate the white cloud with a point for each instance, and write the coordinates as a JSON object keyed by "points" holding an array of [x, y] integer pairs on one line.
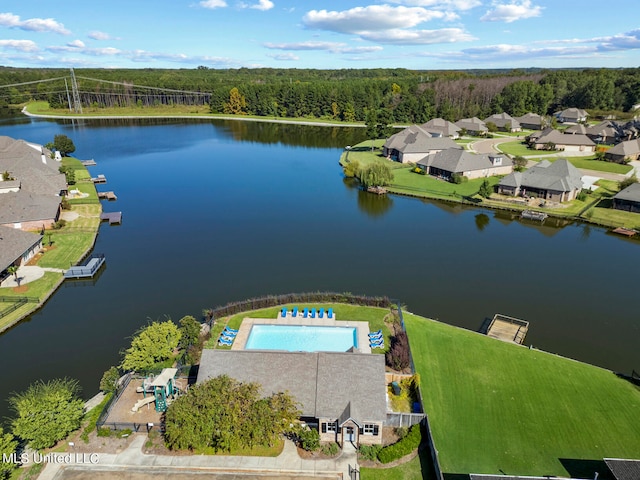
{"points": [[288, 57], [76, 44], [373, 48], [33, 24], [213, 4], [19, 45], [304, 46], [97, 35], [370, 18], [263, 5], [441, 4], [511, 12], [418, 37]]}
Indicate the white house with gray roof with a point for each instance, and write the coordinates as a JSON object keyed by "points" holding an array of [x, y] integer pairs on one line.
{"points": [[628, 199], [31, 190], [413, 143], [471, 165], [531, 121], [342, 394], [504, 121], [557, 182], [624, 151], [572, 115], [473, 126], [439, 127], [566, 142]]}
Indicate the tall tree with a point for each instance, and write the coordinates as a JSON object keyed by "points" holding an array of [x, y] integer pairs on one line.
{"points": [[8, 446], [63, 144], [237, 104], [152, 344], [376, 175], [47, 412]]}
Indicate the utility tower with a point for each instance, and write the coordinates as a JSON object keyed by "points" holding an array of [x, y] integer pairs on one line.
{"points": [[77, 106]]}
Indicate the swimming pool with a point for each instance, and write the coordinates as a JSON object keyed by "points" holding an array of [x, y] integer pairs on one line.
{"points": [[302, 338]]}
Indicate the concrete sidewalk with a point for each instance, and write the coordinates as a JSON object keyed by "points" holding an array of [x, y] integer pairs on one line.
{"points": [[288, 463]]}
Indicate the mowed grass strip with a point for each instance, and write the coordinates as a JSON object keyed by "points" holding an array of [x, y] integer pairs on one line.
{"points": [[496, 407]]}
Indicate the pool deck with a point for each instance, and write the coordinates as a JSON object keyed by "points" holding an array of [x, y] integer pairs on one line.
{"points": [[362, 328]]}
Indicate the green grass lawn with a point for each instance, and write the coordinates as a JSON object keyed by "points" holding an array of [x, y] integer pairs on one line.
{"points": [[406, 181], [519, 148], [496, 407], [412, 470], [590, 163]]}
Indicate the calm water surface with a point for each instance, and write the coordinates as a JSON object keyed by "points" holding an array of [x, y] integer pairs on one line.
{"points": [[220, 211]]}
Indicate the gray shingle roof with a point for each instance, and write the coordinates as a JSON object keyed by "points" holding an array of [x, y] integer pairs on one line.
{"points": [[458, 161], [572, 113], [624, 469], [415, 139], [554, 136], [16, 207], [472, 124], [500, 120], [325, 383], [442, 126], [13, 243], [625, 149], [530, 119], [559, 176], [630, 194]]}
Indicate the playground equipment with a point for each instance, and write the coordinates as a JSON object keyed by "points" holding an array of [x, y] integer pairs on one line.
{"points": [[161, 390]]}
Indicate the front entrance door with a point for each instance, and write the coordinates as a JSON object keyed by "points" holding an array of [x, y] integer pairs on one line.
{"points": [[350, 435]]}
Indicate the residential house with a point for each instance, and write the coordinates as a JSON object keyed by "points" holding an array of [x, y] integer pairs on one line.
{"points": [[557, 182], [413, 143], [438, 127], [604, 132], [566, 142], [473, 126], [624, 151], [577, 129], [31, 191], [628, 199], [531, 121], [504, 122], [571, 115], [341, 394], [16, 248], [623, 469], [471, 165]]}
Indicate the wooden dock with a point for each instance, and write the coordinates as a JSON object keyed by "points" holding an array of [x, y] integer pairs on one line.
{"points": [[87, 269], [627, 232], [533, 215], [89, 163], [113, 218], [506, 328], [107, 196], [99, 179]]}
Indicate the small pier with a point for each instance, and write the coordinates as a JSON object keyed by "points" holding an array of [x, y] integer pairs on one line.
{"points": [[505, 328], [87, 269], [627, 232], [533, 215], [377, 190], [107, 196], [99, 179], [89, 163], [114, 218]]}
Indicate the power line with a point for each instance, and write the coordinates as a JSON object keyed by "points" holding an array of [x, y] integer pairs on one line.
{"points": [[34, 81]]}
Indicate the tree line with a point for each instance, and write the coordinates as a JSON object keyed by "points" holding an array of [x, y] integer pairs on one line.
{"points": [[412, 96]]}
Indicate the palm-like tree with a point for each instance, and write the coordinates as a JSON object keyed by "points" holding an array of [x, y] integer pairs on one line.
{"points": [[13, 270]]}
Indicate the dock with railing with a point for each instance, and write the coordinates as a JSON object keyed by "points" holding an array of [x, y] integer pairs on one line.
{"points": [[88, 268], [111, 196], [114, 218], [506, 328]]}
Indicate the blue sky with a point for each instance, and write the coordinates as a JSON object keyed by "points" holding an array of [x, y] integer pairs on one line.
{"points": [[415, 34]]}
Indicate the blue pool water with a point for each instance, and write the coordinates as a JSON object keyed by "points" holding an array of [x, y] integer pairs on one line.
{"points": [[301, 338]]}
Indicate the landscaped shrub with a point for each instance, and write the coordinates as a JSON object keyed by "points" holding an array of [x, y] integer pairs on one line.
{"points": [[369, 452], [402, 447], [331, 449], [398, 356], [309, 439]]}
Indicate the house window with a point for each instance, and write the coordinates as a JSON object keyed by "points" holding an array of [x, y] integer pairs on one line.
{"points": [[371, 429], [329, 427]]}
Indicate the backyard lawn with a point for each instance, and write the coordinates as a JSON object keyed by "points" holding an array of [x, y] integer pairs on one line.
{"points": [[500, 408]]}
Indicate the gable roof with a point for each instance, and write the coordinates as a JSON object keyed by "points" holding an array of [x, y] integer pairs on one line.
{"points": [[625, 149], [442, 126], [559, 176], [415, 139], [530, 119], [13, 243], [576, 129], [459, 161], [500, 120], [554, 136], [473, 124], [630, 194], [17, 207], [327, 384]]}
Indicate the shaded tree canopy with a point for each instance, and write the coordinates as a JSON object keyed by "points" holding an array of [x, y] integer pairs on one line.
{"points": [[152, 344]]}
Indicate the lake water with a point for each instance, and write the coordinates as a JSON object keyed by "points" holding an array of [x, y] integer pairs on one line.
{"points": [[218, 211]]}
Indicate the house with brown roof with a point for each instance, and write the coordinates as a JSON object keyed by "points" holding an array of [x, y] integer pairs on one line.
{"points": [[624, 151], [446, 163], [565, 142], [31, 193], [557, 182], [628, 199], [413, 143], [504, 122], [343, 394]]}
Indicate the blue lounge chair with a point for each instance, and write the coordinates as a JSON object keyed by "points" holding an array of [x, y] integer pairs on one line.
{"points": [[294, 313], [231, 330], [305, 313], [375, 337], [284, 312], [375, 334], [313, 313], [228, 334], [222, 341], [330, 313], [321, 313], [379, 344]]}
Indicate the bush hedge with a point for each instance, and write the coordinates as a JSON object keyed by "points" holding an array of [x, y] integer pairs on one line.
{"points": [[402, 447]]}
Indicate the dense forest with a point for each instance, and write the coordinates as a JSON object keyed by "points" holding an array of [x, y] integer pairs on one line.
{"points": [[408, 96]]}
